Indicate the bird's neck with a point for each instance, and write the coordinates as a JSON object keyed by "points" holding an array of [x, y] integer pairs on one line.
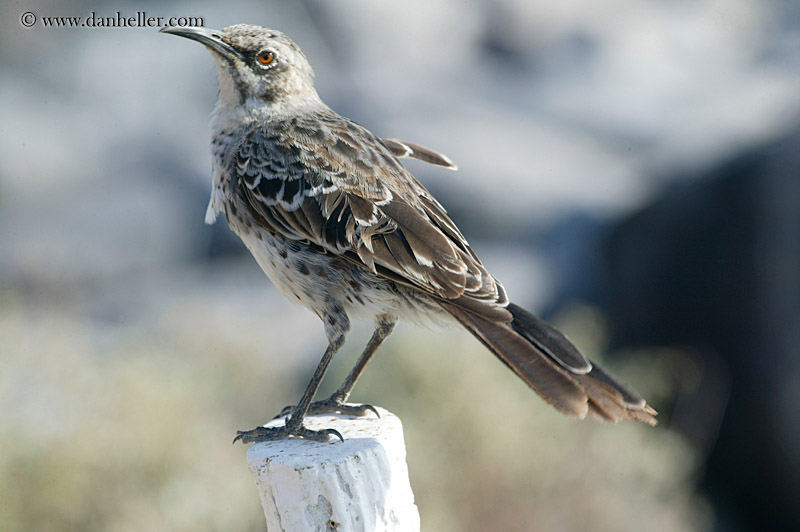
{"points": [[232, 115]]}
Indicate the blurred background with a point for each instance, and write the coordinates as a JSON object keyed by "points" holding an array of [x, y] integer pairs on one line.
{"points": [[630, 169]]}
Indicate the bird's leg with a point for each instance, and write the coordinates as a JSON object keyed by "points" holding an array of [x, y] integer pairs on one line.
{"points": [[383, 329], [336, 402], [336, 324]]}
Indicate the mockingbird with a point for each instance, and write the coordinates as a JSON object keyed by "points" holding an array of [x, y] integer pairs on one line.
{"points": [[340, 226]]}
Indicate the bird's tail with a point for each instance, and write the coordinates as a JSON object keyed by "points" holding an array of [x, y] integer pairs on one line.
{"points": [[550, 364]]}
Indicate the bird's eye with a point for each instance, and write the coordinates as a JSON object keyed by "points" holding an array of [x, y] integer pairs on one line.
{"points": [[265, 58]]}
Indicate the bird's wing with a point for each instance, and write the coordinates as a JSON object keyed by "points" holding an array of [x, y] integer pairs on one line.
{"points": [[335, 185], [403, 149]]}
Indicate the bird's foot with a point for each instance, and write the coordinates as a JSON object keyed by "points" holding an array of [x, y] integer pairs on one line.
{"points": [[333, 405], [260, 434]]}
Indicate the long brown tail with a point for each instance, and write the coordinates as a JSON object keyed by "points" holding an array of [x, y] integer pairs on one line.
{"points": [[550, 364]]}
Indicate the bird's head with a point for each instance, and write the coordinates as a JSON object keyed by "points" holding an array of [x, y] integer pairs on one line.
{"points": [[256, 66]]}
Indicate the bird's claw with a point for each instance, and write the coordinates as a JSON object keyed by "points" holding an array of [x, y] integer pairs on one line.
{"points": [[332, 406], [260, 434]]}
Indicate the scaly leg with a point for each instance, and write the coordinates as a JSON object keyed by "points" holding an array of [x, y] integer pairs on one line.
{"points": [[336, 402], [336, 326]]}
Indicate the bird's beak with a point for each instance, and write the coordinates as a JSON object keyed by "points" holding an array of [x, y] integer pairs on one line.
{"points": [[210, 38]]}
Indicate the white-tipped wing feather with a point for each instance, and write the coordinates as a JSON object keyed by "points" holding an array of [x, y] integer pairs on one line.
{"points": [[349, 195]]}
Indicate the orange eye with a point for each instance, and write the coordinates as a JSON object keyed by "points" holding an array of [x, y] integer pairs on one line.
{"points": [[265, 58]]}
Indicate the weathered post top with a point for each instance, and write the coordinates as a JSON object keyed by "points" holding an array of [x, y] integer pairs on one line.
{"points": [[360, 484]]}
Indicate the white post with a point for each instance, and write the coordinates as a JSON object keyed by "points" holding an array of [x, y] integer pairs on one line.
{"points": [[360, 484]]}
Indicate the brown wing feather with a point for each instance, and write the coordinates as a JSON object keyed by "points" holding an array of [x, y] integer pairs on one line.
{"points": [[349, 195], [402, 148]]}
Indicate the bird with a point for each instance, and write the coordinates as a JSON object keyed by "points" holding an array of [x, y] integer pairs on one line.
{"points": [[340, 225]]}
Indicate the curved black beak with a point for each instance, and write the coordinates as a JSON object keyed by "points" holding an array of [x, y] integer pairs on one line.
{"points": [[210, 38]]}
